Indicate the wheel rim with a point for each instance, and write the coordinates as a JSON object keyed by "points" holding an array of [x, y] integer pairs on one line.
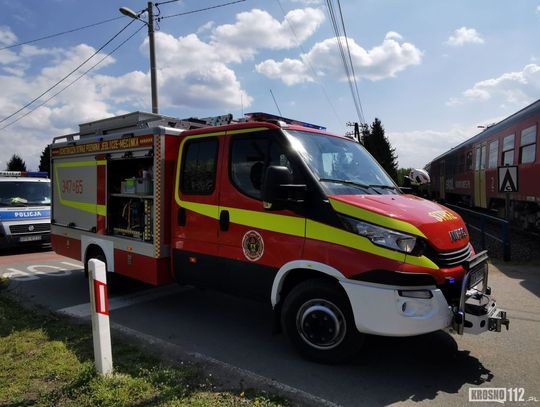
{"points": [[321, 324]]}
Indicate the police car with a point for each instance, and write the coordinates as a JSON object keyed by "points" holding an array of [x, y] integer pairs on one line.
{"points": [[25, 208]]}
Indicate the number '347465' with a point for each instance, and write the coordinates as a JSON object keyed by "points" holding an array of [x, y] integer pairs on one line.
{"points": [[72, 186]]}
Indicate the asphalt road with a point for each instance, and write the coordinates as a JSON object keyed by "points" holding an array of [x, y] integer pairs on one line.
{"points": [[435, 369]]}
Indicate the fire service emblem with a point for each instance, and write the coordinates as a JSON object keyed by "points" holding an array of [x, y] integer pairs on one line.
{"points": [[253, 245]]}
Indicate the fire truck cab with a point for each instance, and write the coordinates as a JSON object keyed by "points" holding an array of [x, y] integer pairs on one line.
{"points": [[272, 209]]}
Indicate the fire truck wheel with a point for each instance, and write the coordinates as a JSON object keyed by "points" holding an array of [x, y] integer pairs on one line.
{"points": [[318, 320]]}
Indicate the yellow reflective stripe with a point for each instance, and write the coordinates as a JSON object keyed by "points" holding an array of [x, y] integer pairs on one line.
{"points": [[85, 207], [82, 206], [374, 218], [330, 234], [421, 261], [73, 164], [212, 211], [289, 225]]}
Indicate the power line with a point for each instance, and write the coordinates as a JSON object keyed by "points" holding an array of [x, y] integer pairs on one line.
{"points": [[69, 74], [166, 2], [74, 81], [350, 60], [60, 33], [201, 9], [308, 62], [349, 70]]}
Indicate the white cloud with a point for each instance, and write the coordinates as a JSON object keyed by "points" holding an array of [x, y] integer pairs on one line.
{"points": [[380, 62], [516, 88], [7, 37], [464, 36], [191, 72], [257, 29], [538, 9], [417, 148]]}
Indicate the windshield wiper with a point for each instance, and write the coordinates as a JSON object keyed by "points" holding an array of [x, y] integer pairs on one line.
{"points": [[349, 182], [382, 186]]}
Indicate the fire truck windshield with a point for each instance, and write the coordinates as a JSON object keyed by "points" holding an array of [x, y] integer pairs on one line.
{"points": [[343, 166], [24, 193]]}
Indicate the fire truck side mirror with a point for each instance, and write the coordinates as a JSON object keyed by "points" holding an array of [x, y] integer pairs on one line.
{"points": [[278, 189]]}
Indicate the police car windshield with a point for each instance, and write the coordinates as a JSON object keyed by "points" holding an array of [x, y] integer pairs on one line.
{"points": [[21, 193], [343, 166]]}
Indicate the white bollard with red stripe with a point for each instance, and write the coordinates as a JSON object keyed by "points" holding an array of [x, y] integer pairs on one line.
{"points": [[99, 302]]}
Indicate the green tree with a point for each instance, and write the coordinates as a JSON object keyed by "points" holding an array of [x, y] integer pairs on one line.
{"points": [[401, 174], [45, 160], [16, 163], [377, 144], [364, 134]]}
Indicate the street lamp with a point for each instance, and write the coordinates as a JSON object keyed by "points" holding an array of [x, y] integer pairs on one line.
{"points": [[153, 80]]}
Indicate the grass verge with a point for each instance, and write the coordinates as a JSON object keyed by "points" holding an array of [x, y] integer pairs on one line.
{"points": [[47, 360]]}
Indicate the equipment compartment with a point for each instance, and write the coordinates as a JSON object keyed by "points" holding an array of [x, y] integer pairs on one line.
{"points": [[131, 199]]}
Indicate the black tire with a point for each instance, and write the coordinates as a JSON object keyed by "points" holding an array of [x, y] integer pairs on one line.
{"points": [[318, 320]]}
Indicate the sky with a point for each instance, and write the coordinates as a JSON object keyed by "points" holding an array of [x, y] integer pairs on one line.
{"points": [[431, 70]]}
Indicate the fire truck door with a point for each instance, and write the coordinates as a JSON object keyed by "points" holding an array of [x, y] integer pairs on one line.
{"points": [[254, 242], [195, 220]]}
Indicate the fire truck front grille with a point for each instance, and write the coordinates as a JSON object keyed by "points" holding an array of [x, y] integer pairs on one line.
{"points": [[30, 228], [450, 259]]}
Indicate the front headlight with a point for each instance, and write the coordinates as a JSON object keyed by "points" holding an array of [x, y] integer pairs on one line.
{"points": [[381, 236]]}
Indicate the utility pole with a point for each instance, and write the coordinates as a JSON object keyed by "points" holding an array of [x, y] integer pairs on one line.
{"points": [[356, 133], [153, 71]]}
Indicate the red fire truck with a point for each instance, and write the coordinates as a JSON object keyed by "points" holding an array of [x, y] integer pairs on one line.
{"points": [[273, 209]]}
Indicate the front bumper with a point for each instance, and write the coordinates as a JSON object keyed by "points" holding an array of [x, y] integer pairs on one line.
{"points": [[382, 310], [477, 311], [395, 311], [24, 233]]}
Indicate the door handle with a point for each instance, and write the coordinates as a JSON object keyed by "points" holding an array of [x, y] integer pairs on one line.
{"points": [[181, 217], [224, 221]]}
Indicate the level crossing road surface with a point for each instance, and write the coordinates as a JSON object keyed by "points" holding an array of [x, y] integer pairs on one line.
{"points": [[435, 369]]}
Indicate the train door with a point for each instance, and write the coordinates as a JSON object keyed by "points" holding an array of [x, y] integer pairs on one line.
{"points": [[442, 181], [480, 151]]}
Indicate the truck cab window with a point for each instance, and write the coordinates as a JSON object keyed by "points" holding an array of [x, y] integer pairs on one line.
{"points": [[249, 159], [198, 174]]}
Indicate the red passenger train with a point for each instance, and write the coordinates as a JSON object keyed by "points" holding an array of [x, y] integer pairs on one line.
{"points": [[467, 174]]}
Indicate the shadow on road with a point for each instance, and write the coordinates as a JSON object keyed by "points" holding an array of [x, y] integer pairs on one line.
{"points": [[11, 251], [416, 368]]}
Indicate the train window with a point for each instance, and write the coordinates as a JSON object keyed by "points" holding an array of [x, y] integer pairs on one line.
{"points": [[469, 160], [508, 150], [528, 145], [493, 154]]}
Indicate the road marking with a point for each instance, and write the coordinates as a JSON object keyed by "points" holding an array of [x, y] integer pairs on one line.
{"points": [[19, 275], [83, 310], [79, 266], [33, 269]]}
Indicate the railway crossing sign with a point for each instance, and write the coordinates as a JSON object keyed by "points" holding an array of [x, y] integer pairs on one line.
{"points": [[508, 178]]}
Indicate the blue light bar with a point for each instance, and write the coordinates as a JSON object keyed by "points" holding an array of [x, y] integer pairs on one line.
{"points": [[270, 117], [35, 174]]}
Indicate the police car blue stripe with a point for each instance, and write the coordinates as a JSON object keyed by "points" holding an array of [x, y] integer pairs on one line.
{"points": [[25, 214]]}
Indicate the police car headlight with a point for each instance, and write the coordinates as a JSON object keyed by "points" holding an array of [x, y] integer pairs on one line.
{"points": [[380, 236]]}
